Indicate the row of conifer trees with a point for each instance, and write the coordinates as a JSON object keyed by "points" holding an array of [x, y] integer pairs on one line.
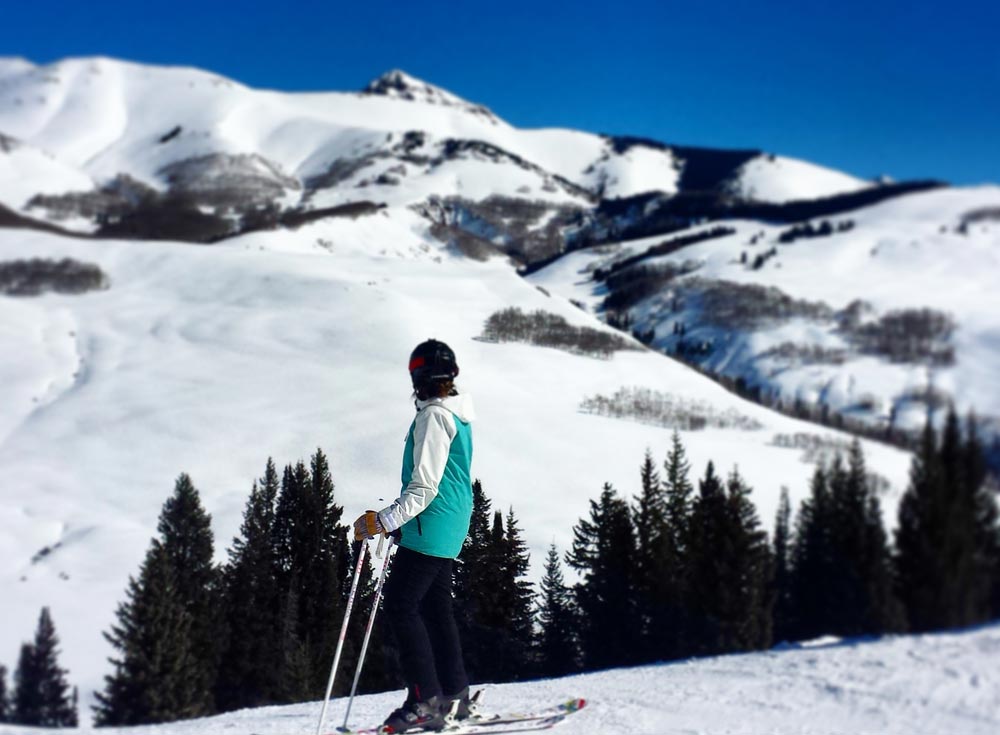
{"points": [[674, 571]]}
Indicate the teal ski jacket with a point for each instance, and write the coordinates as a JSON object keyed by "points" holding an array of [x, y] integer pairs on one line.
{"points": [[435, 504]]}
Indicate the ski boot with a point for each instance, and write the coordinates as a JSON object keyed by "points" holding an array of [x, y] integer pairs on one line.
{"points": [[425, 715]]}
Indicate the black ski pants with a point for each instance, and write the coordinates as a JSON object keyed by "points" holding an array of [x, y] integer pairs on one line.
{"points": [[418, 607]]}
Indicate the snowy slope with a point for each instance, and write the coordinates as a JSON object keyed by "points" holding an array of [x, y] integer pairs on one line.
{"points": [[912, 252], [209, 360], [26, 171], [769, 178], [916, 685]]}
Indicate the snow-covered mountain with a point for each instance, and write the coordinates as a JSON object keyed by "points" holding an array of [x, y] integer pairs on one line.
{"points": [[347, 227], [108, 125], [877, 315]]}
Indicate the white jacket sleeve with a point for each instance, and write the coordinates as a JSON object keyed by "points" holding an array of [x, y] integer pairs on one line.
{"points": [[432, 436]]}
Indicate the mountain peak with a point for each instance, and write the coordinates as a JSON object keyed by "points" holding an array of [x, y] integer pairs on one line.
{"points": [[397, 84]]}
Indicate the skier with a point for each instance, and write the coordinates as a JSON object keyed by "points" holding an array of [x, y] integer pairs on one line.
{"points": [[430, 520]]}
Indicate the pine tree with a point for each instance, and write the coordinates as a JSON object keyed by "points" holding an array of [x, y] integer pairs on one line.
{"points": [[604, 552], [671, 620], [476, 580], [328, 576], [868, 552], [729, 569], [979, 487], [155, 675], [474, 549], [312, 558], [782, 569], [517, 598], [247, 671], [651, 528], [557, 652], [812, 564], [851, 556], [43, 697], [294, 668], [4, 696], [946, 532], [186, 534]]}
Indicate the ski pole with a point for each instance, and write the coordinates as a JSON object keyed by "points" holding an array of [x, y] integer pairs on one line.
{"points": [[368, 630], [343, 634]]}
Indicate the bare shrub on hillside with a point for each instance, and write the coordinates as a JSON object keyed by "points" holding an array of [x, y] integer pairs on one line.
{"points": [[909, 335], [224, 181], [986, 214], [823, 450], [111, 202], [815, 448], [749, 306], [629, 287], [806, 354], [665, 409], [529, 230], [37, 276], [809, 230], [550, 330]]}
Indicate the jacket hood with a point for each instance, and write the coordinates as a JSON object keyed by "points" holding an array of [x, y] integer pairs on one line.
{"points": [[460, 405]]}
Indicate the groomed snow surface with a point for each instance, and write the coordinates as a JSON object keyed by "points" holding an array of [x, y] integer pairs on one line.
{"points": [[941, 684]]}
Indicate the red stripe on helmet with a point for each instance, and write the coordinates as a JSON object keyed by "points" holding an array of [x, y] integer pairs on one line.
{"points": [[417, 362]]}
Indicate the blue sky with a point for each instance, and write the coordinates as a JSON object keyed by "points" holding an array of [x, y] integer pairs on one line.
{"points": [[909, 89]]}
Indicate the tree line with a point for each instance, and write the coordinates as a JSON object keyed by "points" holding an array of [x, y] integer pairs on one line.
{"points": [[677, 571], [682, 568]]}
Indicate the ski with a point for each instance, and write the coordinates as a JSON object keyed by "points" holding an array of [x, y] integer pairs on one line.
{"points": [[493, 724]]}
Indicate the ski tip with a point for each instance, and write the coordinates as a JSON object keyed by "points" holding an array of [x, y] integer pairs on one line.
{"points": [[574, 705]]}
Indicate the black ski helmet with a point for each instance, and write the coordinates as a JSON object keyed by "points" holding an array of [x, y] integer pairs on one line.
{"points": [[432, 362]]}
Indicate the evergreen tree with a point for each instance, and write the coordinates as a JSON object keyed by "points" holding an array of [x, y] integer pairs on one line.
{"points": [[947, 531], [43, 697], [328, 574], [312, 556], [557, 652], [678, 491], [813, 602], [857, 575], [782, 569], [868, 552], [471, 562], [294, 668], [155, 675], [651, 528], [186, 535], [502, 624], [729, 569], [517, 598], [477, 581], [27, 705], [604, 552], [979, 486], [671, 620], [247, 671], [4, 696]]}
